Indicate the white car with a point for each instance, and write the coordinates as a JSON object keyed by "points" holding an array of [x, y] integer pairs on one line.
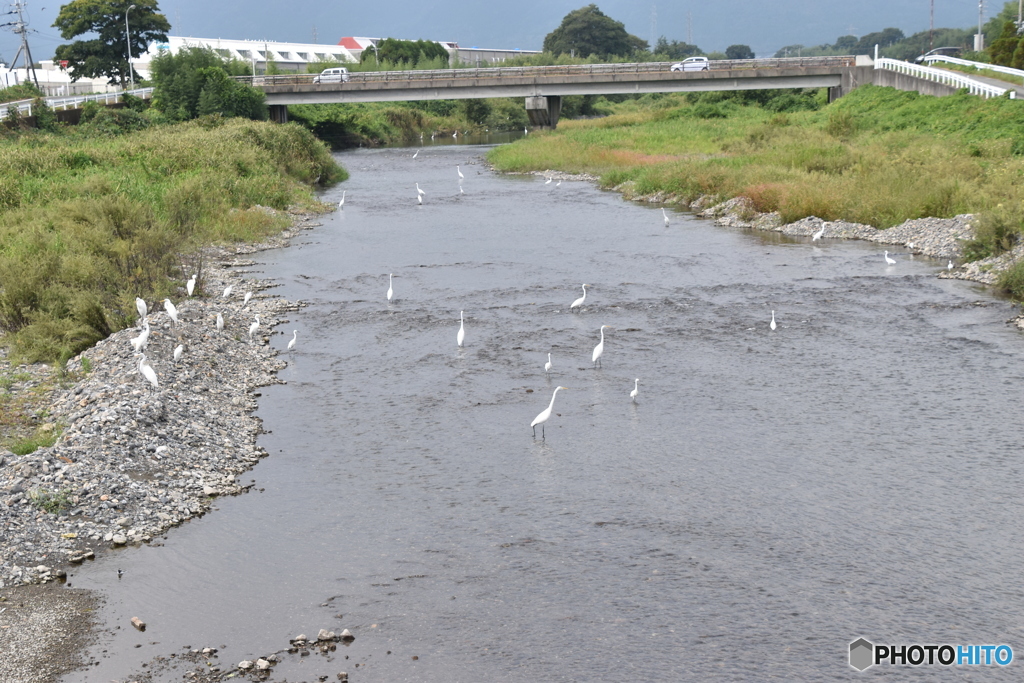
{"points": [[691, 64], [337, 75]]}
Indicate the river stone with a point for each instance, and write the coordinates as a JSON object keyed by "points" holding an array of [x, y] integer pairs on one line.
{"points": [[245, 665], [262, 664], [119, 539]]}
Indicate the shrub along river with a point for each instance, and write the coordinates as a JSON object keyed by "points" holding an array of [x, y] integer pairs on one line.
{"points": [[769, 498]]}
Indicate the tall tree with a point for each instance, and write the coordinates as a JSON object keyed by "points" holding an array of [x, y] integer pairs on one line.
{"points": [[106, 54], [587, 31], [196, 81], [675, 49], [739, 52]]}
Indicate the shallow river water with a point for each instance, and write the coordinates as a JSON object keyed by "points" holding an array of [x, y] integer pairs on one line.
{"points": [[769, 498]]}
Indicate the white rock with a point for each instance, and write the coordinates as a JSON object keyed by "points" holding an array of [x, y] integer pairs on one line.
{"points": [[245, 665], [119, 539], [325, 635], [262, 664]]}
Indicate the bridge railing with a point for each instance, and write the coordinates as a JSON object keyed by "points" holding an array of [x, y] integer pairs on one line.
{"points": [[503, 72], [24, 107], [978, 65], [950, 78]]}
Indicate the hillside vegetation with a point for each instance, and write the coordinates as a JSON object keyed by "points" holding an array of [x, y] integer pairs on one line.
{"points": [[89, 220]]}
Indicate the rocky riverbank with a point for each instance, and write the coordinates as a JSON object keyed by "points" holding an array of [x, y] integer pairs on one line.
{"points": [[133, 460]]}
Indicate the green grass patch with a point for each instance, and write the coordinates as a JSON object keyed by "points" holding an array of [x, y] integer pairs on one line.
{"points": [[877, 156], [53, 502], [90, 220]]}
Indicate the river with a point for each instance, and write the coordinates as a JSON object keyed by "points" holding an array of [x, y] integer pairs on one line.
{"points": [[769, 498]]}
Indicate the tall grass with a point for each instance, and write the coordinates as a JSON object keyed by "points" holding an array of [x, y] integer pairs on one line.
{"points": [[87, 223], [877, 156]]}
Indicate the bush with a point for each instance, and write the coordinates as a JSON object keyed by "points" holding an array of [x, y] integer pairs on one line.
{"points": [[1012, 280], [995, 232]]}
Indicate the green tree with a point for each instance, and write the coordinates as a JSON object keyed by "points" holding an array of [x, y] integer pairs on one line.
{"points": [[675, 50], [196, 81], [1001, 50], [883, 38], [739, 52], [106, 55], [405, 51], [587, 31]]}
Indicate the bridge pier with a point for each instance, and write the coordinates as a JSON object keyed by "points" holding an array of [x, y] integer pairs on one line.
{"points": [[544, 111], [279, 113]]}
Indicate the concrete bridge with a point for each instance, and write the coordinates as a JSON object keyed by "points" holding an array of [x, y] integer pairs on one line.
{"points": [[544, 86]]}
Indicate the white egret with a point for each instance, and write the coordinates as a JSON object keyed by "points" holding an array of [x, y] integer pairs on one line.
{"points": [[817, 236], [139, 343], [295, 335], [391, 291], [341, 204], [178, 350], [171, 310], [220, 322], [227, 291], [255, 326], [547, 366], [245, 299], [636, 390], [888, 260], [579, 302], [548, 181], [419, 191], [141, 307], [949, 266], [526, 131], [599, 349], [417, 151], [665, 214], [190, 286], [146, 371], [455, 134], [772, 323], [543, 417], [461, 336], [559, 183], [459, 170]]}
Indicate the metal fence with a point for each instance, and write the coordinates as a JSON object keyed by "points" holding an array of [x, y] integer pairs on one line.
{"points": [[24, 107], [950, 78], [518, 72]]}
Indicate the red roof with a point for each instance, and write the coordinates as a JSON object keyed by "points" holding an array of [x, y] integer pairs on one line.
{"points": [[350, 44]]}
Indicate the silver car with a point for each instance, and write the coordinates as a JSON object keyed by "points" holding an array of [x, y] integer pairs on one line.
{"points": [[692, 64]]}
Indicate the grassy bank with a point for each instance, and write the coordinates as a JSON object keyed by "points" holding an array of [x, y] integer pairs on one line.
{"points": [[877, 156], [89, 222]]}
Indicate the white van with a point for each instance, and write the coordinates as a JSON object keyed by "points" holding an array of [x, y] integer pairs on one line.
{"points": [[336, 75]]}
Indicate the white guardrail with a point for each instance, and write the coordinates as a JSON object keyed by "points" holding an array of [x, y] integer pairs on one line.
{"points": [[73, 101], [978, 65], [951, 78]]}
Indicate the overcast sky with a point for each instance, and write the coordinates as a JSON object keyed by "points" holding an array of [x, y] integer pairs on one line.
{"points": [[713, 24]]}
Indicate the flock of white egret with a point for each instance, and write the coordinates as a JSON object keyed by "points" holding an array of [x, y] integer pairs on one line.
{"points": [[140, 342]]}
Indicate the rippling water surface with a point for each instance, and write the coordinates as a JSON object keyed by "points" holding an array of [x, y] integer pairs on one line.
{"points": [[771, 496]]}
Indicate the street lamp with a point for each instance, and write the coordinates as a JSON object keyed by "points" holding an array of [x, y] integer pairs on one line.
{"points": [[128, 36]]}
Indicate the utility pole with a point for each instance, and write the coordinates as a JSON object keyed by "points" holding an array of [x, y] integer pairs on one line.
{"points": [[979, 40], [931, 28], [654, 25], [21, 28]]}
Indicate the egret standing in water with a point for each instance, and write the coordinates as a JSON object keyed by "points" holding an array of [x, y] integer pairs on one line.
{"points": [[461, 336], [599, 349], [391, 291], [543, 417], [579, 302], [190, 286], [140, 306], [665, 214], [949, 266], [459, 171], [417, 151], [295, 335], [419, 193], [547, 366], [171, 310], [341, 204], [818, 235], [255, 326], [220, 322], [888, 260], [772, 324], [146, 371], [636, 390]]}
